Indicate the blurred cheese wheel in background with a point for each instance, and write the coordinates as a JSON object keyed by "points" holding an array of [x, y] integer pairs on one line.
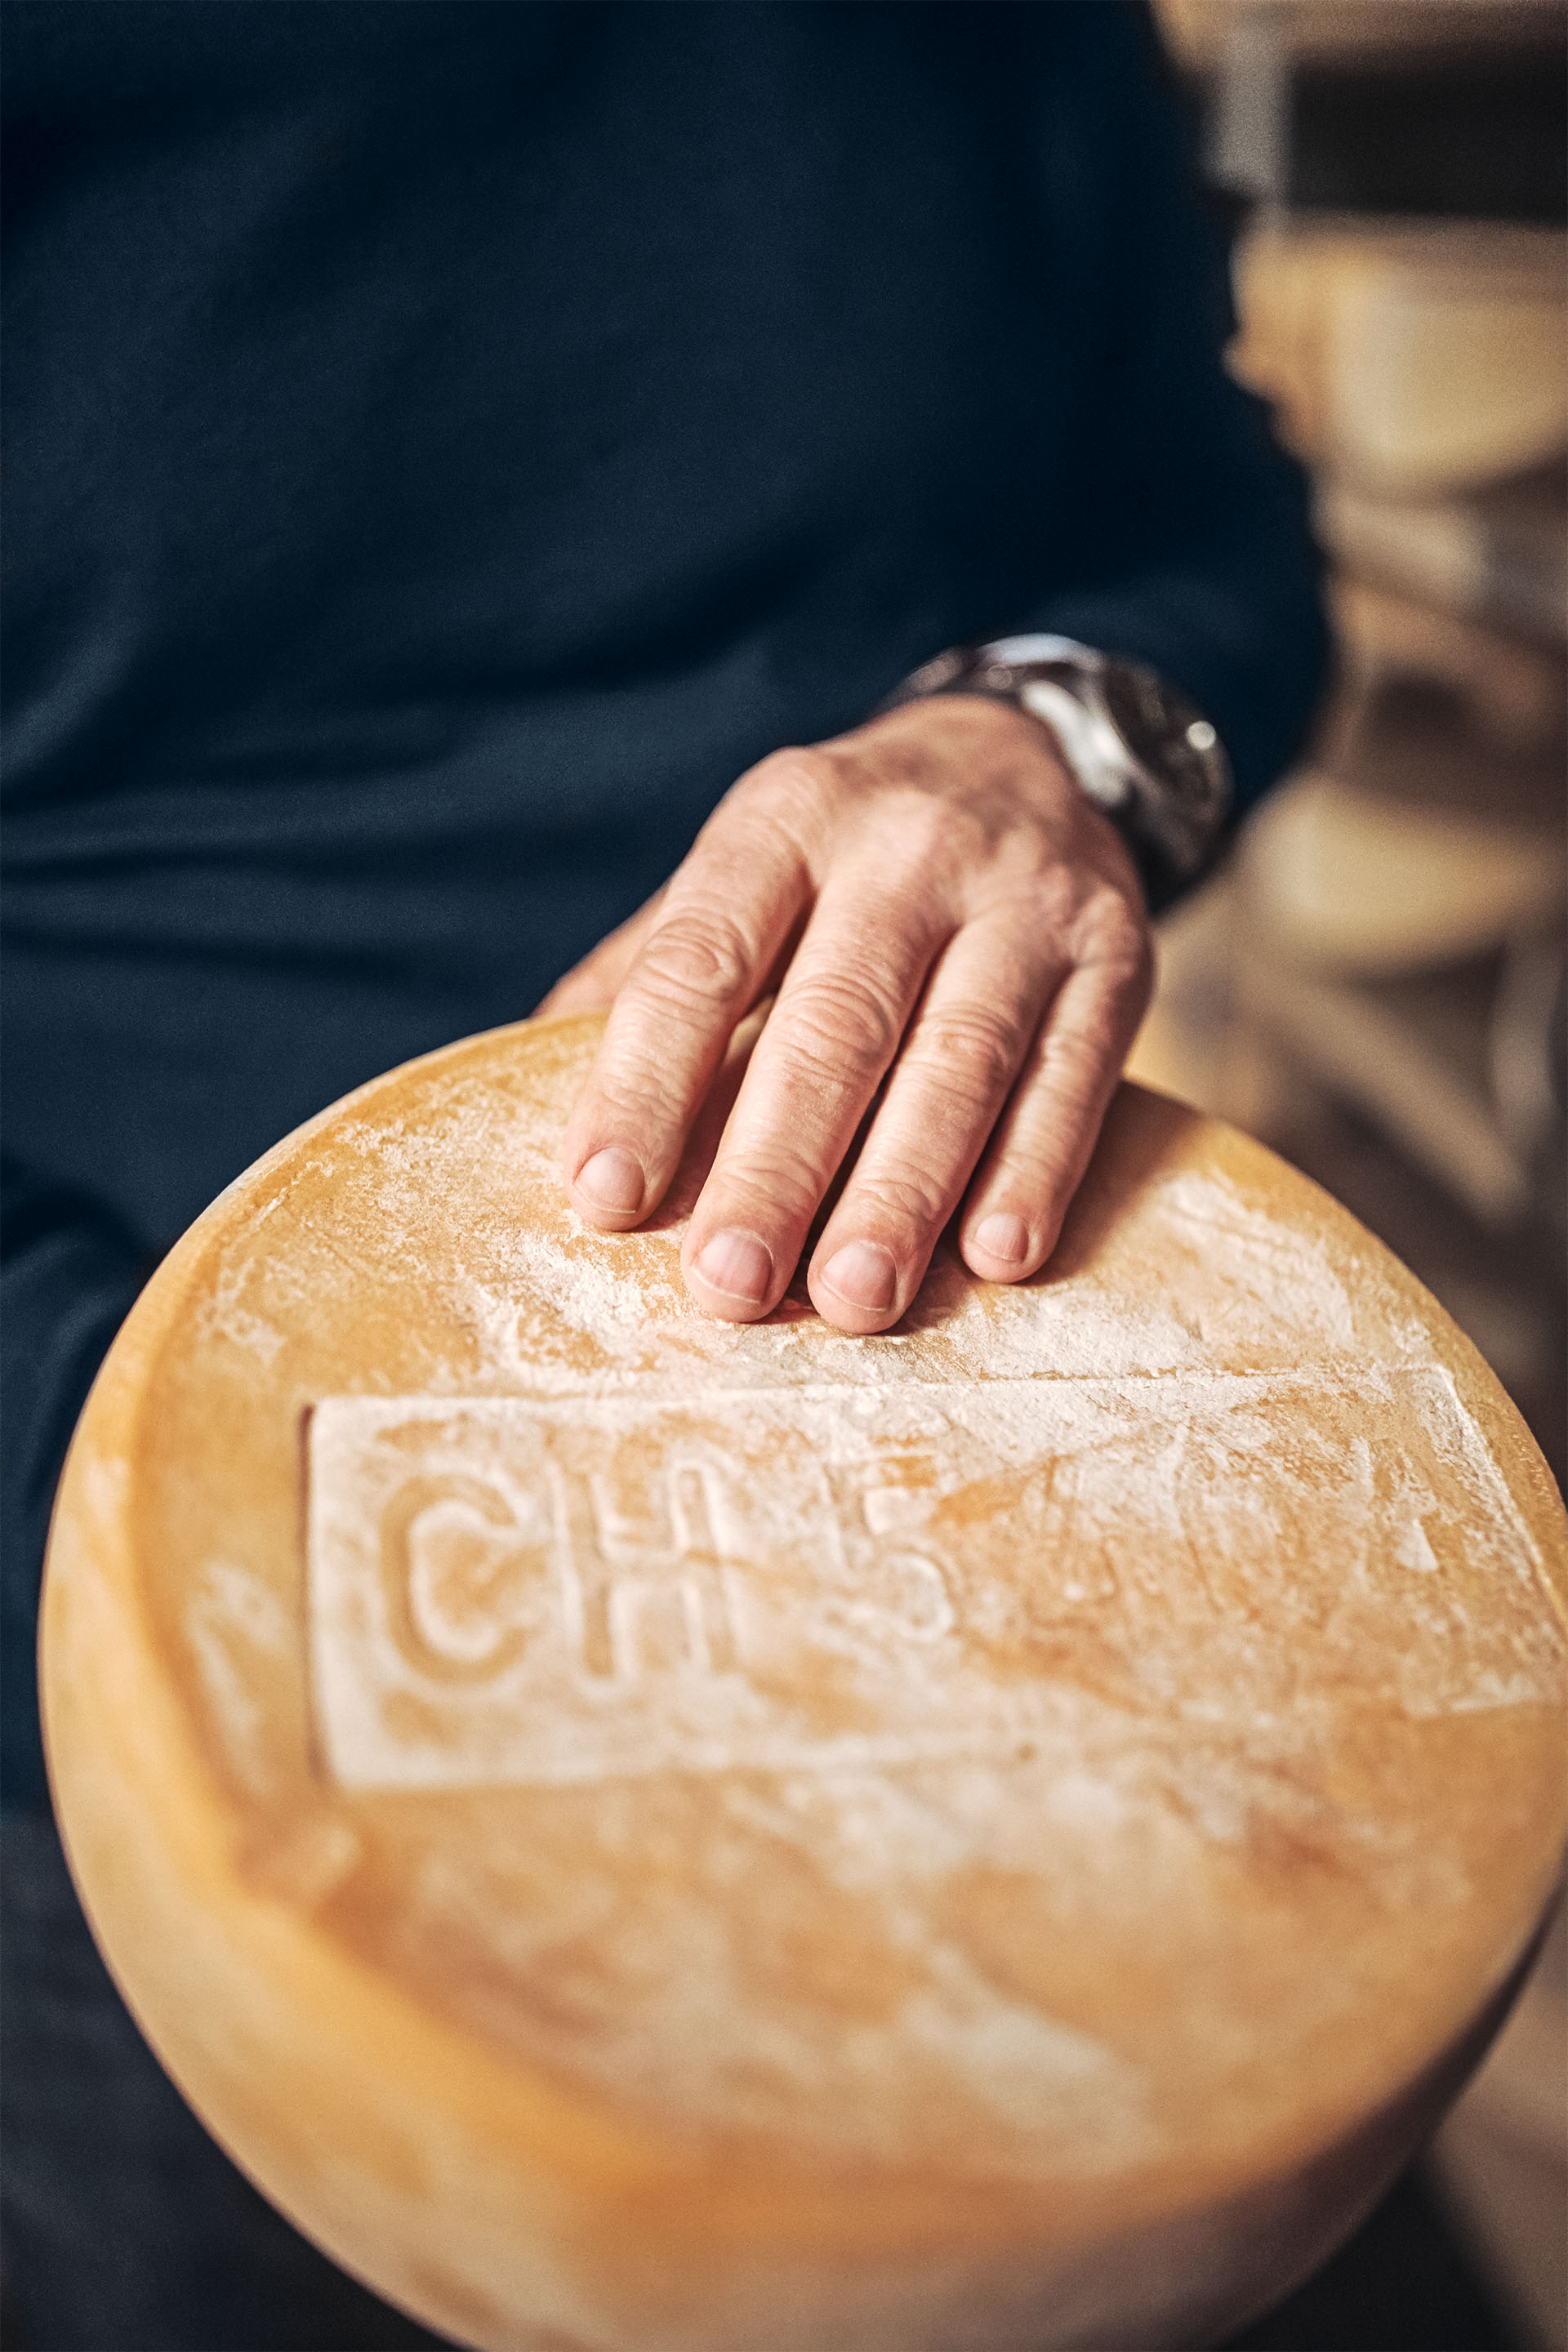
{"points": [[1343, 879], [653, 1836]]}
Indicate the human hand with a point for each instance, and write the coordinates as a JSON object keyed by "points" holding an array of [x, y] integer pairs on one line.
{"points": [[946, 918]]}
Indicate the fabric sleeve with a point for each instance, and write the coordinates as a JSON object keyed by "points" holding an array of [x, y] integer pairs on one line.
{"points": [[68, 1273], [1193, 544]]}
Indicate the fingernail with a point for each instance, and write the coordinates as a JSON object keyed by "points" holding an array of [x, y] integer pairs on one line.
{"points": [[864, 1274], [613, 1179], [1004, 1237], [738, 1264]]}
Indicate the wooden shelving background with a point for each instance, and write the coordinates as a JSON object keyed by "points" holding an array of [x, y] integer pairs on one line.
{"points": [[1376, 982]]}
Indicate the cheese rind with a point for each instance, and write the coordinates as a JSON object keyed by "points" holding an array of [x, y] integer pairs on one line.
{"points": [[680, 1834]]}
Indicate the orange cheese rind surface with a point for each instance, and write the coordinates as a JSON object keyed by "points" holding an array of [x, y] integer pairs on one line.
{"points": [[642, 1833]]}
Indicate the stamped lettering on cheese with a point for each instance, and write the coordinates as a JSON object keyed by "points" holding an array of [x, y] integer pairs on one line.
{"points": [[504, 1591]]}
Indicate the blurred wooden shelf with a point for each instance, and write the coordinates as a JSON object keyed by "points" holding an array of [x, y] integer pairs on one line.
{"points": [[1359, 30], [1498, 556], [1413, 1060], [1343, 881], [1502, 2155], [1512, 695], [1406, 746], [1416, 360], [1449, 108]]}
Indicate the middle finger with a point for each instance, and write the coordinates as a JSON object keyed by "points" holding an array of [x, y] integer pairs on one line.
{"points": [[837, 1023], [968, 1043]]}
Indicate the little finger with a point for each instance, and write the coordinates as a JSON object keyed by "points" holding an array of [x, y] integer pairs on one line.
{"points": [[1042, 1144], [959, 1064]]}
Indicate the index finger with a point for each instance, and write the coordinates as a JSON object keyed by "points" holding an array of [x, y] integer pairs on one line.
{"points": [[728, 912]]}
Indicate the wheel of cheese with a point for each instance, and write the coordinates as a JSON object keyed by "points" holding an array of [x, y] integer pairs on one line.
{"points": [[647, 1835]]}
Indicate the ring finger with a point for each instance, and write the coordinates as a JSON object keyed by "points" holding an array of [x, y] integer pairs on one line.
{"points": [[967, 1045], [841, 1013]]}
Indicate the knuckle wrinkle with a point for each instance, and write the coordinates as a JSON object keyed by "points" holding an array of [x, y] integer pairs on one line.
{"points": [[698, 960], [972, 1052], [837, 1026], [913, 1199]]}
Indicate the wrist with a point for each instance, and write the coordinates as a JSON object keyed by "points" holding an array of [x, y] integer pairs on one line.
{"points": [[1136, 747]]}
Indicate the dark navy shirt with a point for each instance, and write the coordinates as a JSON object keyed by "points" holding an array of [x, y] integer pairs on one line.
{"points": [[446, 442]]}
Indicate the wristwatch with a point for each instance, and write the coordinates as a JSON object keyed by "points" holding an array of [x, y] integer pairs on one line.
{"points": [[1134, 743]]}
